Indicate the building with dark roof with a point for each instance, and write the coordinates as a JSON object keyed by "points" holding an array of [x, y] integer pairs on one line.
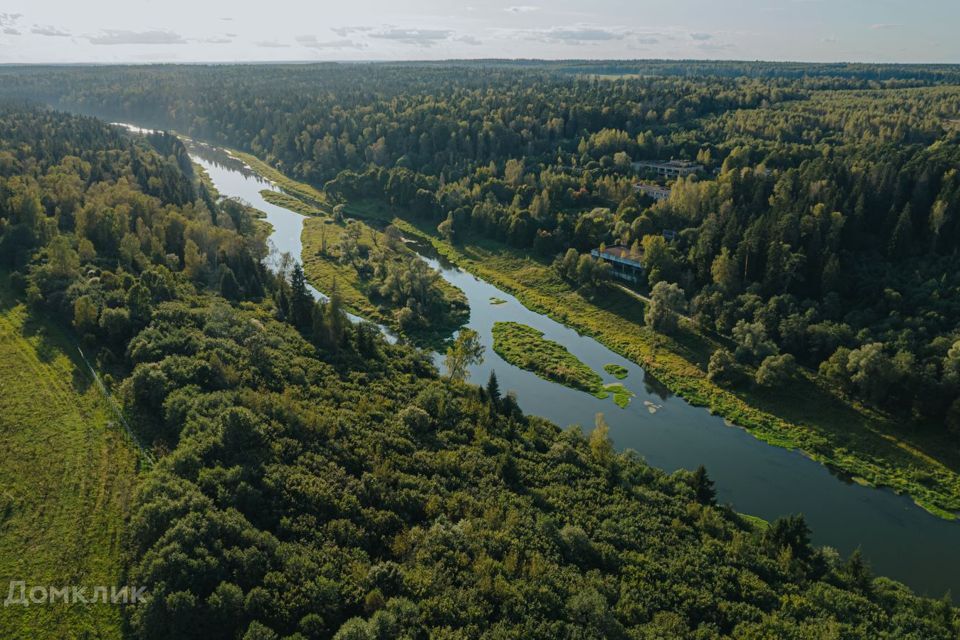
{"points": [[626, 265]]}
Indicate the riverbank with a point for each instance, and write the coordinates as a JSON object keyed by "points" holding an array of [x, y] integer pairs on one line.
{"points": [[768, 481], [871, 449]]}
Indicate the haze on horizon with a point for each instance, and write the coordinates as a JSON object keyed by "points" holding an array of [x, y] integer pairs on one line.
{"points": [[145, 31]]}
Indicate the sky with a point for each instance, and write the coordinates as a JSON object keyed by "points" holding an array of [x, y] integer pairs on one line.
{"points": [[145, 31]]}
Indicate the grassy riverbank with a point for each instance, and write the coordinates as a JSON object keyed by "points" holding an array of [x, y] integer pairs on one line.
{"points": [[290, 202], [360, 293], [305, 192], [871, 448], [67, 476]]}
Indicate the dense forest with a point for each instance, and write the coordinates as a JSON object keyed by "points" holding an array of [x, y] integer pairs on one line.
{"points": [[823, 230], [313, 480]]}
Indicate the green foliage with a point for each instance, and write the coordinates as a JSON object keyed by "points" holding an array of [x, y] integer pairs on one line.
{"points": [[775, 371], [617, 371], [722, 368], [381, 279], [667, 302], [621, 395], [465, 352], [526, 348]]}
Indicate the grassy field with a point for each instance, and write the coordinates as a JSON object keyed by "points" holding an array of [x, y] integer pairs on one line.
{"points": [[873, 449], [67, 476], [525, 347]]}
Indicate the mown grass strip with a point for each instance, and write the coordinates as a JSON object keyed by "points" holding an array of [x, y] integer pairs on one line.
{"points": [[67, 474]]}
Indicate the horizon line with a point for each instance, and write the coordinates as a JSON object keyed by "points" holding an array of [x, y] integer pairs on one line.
{"points": [[469, 60]]}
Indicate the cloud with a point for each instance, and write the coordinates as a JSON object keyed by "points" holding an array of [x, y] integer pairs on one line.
{"points": [[523, 8], [578, 35], [112, 37], [224, 39], [701, 36], [7, 22], [49, 31], [885, 26], [647, 40], [416, 37], [469, 40], [312, 42], [271, 44], [715, 46], [345, 31]]}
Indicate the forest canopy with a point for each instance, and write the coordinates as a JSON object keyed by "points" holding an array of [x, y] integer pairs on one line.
{"points": [[315, 481]]}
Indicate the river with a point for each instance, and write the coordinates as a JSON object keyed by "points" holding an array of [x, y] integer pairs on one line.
{"points": [[899, 539]]}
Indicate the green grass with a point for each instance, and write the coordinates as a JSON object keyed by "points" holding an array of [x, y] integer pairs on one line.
{"points": [[757, 523], [290, 202], [617, 371], [621, 395], [305, 192], [525, 347], [875, 449], [66, 480]]}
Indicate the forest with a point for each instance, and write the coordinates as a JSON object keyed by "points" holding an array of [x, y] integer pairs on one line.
{"points": [[824, 226], [315, 481]]}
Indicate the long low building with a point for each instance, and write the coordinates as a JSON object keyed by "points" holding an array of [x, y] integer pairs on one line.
{"points": [[655, 191], [670, 169], [627, 266]]}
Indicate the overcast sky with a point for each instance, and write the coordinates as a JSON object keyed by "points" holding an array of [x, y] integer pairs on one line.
{"points": [[240, 30]]}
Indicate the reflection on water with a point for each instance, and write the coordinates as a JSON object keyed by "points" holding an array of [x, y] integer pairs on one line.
{"points": [[899, 539], [655, 387]]}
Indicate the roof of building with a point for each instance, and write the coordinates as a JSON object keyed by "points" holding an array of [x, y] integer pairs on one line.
{"points": [[670, 164], [621, 252]]}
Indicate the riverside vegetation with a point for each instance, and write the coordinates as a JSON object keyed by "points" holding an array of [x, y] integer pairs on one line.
{"points": [[526, 348], [381, 279], [824, 227]]}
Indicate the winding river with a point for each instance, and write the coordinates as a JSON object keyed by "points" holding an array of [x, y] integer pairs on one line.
{"points": [[899, 539]]}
